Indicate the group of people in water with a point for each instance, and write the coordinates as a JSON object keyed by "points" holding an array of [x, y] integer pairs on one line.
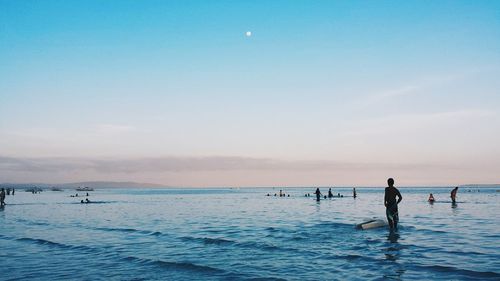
{"points": [[453, 196], [392, 197], [330, 194], [86, 201]]}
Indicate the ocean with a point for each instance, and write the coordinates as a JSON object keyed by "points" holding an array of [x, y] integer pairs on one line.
{"points": [[242, 234]]}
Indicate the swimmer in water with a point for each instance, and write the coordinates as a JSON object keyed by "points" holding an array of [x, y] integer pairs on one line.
{"points": [[330, 194], [391, 204], [431, 198], [354, 192]]}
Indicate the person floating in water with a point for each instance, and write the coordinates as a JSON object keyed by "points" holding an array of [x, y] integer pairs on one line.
{"points": [[354, 194], [391, 204], [2, 197], [330, 194], [431, 198], [318, 194], [454, 195]]}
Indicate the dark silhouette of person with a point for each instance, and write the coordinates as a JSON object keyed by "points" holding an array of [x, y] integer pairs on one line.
{"points": [[453, 195], [2, 197], [431, 198], [13, 191], [354, 194], [330, 194], [318, 194], [391, 204]]}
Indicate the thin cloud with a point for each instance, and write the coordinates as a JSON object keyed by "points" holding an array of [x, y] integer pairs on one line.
{"points": [[186, 164]]}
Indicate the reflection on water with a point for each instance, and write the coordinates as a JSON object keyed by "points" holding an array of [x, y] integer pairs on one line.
{"points": [[392, 254]]}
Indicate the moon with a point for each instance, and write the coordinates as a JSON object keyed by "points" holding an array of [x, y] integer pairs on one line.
{"points": [[248, 33]]}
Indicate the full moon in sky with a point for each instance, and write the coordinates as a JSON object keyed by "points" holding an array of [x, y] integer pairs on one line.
{"points": [[248, 33]]}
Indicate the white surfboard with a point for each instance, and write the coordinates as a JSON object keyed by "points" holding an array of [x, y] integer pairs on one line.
{"points": [[374, 223]]}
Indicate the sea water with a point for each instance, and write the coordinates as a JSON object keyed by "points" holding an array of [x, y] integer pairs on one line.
{"points": [[242, 234]]}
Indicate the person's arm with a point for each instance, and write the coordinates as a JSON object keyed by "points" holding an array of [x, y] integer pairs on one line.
{"points": [[385, 199], [399, 197]]}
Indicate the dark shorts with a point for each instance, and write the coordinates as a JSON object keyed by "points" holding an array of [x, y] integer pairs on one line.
{"points": [[392, 213]]}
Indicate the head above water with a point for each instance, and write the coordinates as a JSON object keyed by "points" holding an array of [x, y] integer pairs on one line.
{"points": [[390, 182]]}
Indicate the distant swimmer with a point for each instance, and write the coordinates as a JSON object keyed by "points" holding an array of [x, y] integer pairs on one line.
{"points": [[330, 194], [354, 194], [454, 195], [281, 193], [82, 202], [431, 198], [87, 200], [318, 194], [391, 204]]}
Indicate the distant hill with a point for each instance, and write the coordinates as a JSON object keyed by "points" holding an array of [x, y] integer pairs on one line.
{"points": [[477, 185], [92, 184]]}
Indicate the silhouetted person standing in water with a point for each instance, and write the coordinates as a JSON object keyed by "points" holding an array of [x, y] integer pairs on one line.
{"points": [[391, 204], [318, 194], [354, 194], [454, 195], [2, 197], [330, 194]]}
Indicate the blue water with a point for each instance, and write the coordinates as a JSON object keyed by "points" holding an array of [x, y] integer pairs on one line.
{"points": [[241, 234]]}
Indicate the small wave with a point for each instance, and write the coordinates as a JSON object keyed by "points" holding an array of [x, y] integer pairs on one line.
{"points": [[33, 222], [208, 240], [265, 279], [174, 265], [130, 230], [461, 272], [55, 244]]}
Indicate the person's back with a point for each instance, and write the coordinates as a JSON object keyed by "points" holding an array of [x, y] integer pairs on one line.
{"points": [[391, 203], [330, 194]]}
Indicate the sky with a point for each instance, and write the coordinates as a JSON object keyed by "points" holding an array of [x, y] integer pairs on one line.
{"points": [[344, 93]]}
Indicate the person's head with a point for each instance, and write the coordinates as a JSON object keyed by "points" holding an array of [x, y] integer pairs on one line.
{"points": [[390, 182], [456, 188]]}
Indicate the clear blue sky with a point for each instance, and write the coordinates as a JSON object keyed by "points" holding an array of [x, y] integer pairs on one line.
{"points": [[323, 92]]}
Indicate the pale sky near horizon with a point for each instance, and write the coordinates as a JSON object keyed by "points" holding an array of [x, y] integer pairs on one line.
{"points": [[321, 93]]}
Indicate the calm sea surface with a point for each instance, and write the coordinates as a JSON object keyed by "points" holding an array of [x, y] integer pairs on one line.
{"points": [[241, 234]]}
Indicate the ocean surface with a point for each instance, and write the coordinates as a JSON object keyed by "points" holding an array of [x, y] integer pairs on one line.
{"points": [[242, 234]]}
